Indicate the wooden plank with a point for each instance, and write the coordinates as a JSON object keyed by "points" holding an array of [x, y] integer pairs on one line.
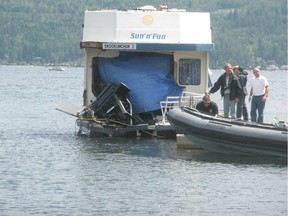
{"points": [[68, 108]]}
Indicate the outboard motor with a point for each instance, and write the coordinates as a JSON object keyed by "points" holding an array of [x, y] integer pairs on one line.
{"points": [[113, 103]]}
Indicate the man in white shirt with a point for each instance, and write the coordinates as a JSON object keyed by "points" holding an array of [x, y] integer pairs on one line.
{"points": [[259, 91]]}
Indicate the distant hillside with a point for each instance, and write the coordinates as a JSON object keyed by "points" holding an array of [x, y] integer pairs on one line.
{"points": [[245, 32]]}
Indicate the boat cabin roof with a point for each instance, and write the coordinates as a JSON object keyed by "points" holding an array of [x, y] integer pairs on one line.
{"points": [[147, 29]]}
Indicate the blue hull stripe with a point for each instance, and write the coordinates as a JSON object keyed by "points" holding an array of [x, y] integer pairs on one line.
{"points": [[172, 47]]}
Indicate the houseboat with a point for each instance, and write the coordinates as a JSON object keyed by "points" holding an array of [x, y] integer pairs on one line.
{"points": [[272, 67], [284, 67], [56, 68], [139, 64]]}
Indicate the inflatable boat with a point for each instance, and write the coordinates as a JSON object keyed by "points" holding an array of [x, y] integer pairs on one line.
{"points": [[230, 136]]}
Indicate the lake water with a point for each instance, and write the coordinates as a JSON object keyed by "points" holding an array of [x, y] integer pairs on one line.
{"points": [[45, 169]]}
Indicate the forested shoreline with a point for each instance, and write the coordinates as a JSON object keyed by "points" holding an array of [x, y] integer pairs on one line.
{"points": [[244, 32]]}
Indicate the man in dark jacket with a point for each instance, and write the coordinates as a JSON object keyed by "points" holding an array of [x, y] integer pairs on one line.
{"points": [[207, 106], [230, 91], [241, 105]]}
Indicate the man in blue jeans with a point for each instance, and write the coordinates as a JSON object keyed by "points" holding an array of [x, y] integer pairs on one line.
{"points": [[230, 90], [259, 91]]}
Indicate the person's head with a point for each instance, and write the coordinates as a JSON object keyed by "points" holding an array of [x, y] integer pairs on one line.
{"points": [[206, 100], [256, 72], [241, 69], [228, 68], [236, 69]]}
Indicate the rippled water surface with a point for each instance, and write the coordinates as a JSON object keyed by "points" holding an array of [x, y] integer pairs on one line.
{"points": [[45, 169]]}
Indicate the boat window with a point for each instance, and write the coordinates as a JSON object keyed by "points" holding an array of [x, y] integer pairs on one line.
{"points": [[189, 71]]}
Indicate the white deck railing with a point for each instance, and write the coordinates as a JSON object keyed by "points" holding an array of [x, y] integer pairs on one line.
{"points": [[188, 99]]}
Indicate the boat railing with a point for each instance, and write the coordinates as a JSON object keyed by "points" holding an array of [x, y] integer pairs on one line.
{"points": [[278, 123], [130, 111], [187, 99]]}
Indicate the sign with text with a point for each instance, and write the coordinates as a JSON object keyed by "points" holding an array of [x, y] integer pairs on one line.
{"points": [[118, 46]]}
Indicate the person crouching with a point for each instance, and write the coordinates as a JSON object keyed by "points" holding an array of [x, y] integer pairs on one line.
{"points": [[207, 106]]}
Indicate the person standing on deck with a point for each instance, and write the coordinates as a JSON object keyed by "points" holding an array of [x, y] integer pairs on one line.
{"points": [[259, 91], [241, 105], [230, 90]]}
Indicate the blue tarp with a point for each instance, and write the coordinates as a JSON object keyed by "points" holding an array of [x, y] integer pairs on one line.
{"points": [[147, 75]]}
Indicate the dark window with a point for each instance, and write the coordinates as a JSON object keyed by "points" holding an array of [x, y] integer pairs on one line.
{"points": [[189, 71]]}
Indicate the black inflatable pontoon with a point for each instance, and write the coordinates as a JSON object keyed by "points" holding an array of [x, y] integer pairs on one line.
{"points": [[229, 135]]}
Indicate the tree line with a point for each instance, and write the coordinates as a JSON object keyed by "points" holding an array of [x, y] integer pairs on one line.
{"points": [[244, 32]]}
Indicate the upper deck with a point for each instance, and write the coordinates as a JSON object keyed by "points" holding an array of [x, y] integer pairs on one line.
{"points": [[175, 30]]}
